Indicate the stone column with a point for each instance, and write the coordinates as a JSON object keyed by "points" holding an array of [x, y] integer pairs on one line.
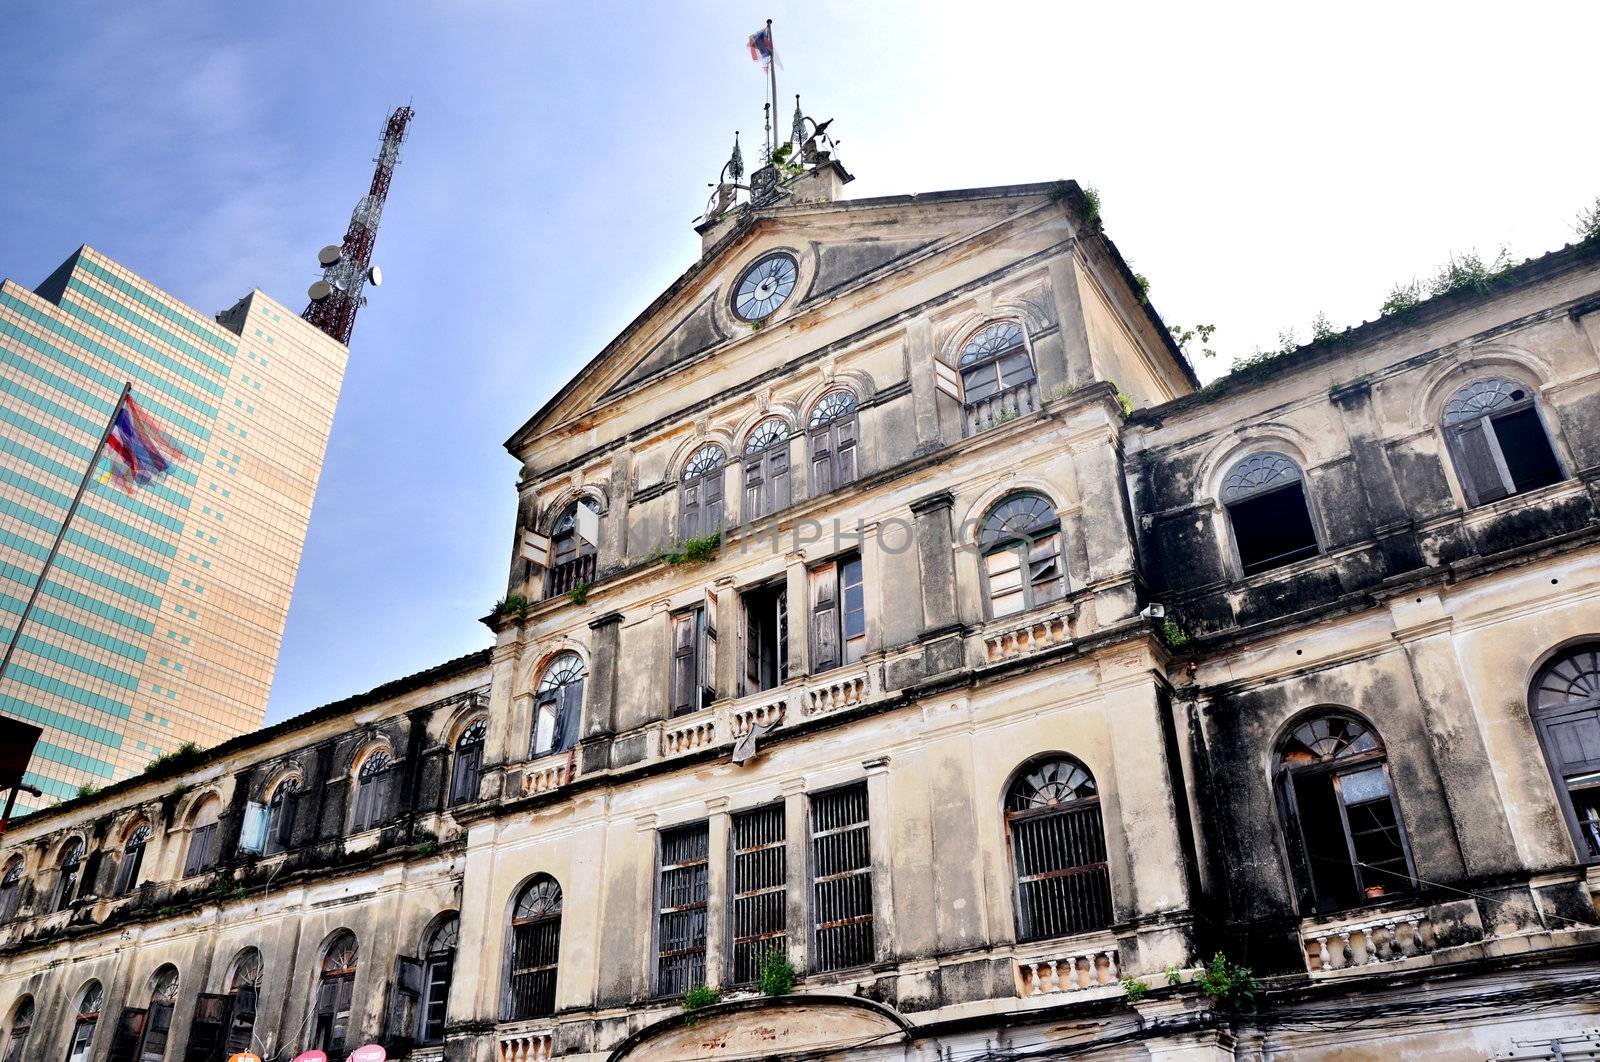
{"points": [[925, 398], [1107, 534], [798, 588], [797, 844], [880, 838], [600, 698], [719, 964], [501, 748], [1075, 366], [614, 525], [1390, 523]]}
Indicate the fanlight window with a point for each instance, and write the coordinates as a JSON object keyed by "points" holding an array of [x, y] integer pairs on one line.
{"points": [[11, 890], [1265, 499], [766, 469], [21, 1025], [132, 859], [997, 377], [700, 493], [1058, 850], [572, 558], [67, 879], [469, 762], [558, 705], [142, 1033], [438, 968], [373, 782], [236, 1011], [164, 985], [1020, 541], [1346, 838], [535, 949], [1497, 440], [330, 1012], [1566, 711], [89, 1003], [831, 434]]}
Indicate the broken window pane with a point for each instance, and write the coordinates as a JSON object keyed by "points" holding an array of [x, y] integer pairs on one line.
{"points": [[1021, 542]]}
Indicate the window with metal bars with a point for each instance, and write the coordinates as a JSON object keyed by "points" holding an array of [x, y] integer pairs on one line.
{"points": [[760, 881], [535, 949], [1058, 850], [681, 909], [841, 879]]}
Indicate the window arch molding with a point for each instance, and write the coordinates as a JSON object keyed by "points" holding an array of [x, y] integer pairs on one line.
{"points": [[18, 1028], [1564, 704], [1339, 815], [371, 783], [593, 493], [1438, 382], [136, 838], [532, 949], [1060, 879], [998, 373]]}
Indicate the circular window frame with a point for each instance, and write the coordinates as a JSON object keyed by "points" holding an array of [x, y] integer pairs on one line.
{"points": [[744, 274]]}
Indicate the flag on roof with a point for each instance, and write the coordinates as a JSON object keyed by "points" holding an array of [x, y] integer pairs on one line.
{"points": [[761, 45], [138, 449]]}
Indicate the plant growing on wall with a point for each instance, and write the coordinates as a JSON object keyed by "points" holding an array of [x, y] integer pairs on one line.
{"points": [[1135, 988], [1587, 224], [579, 594], [692, 550], [701, 996], [1229, 987], [1174, 636], [184, 755], [777, 973], [511, 605]]}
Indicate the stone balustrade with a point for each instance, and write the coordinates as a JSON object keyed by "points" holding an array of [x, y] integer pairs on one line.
{"points": [[1349, 943], [1000, 407], [829, 696], [526, 1046], [690, 732], [1038, 633], [726, 722], [1073, 969], [743, 717], [551, 772]]}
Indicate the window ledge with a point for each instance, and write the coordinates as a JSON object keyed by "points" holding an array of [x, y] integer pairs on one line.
{"points": [[1476, 514]]}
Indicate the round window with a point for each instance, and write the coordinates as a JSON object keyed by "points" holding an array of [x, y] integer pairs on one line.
{"points": [[765, 286]]}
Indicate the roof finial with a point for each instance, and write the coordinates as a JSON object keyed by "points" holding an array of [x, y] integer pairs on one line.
{"points": [[735, 170], [797, 132]]}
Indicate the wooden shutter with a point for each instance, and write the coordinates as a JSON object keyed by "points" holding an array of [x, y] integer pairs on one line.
{"points": [[711, 502], [822, 460], [209, 1028], [824, 617], [286, 817], [127, 1037], [242, 1022], [757, 491], [343, 988], [783, 635], [708, 652], [157, 1025], [752, 648], [200, 842], [844, 451], [1005, 582], [405, 1003], [689, 509], [464, 782], [1476, 463], [684, 693], [128, 869], [778, 493]]}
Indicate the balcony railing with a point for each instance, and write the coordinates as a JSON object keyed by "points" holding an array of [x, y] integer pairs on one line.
{"points": [[564, 577], [531, 1046], [725, 723], [1072, 965], [1037, 632], [1000, 407], [1374, 938], [547, 773]]}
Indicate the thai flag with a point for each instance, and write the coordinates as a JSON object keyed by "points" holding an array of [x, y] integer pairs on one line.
{"points": [[138, 450], [761, 45]]}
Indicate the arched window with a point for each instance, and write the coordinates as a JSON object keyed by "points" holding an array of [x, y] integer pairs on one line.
{"points": [[1265, 498], [997, 379], [143, 1034], [203, 840], [832, 436], [21, 1025], [535, 949], [766, 469], [330, 1007], [1345, 835], [572, 555], [67, 879], [1058, 850], [1497, 441], [558, 705], [281, 808], [1021, 545], [373, 782], [438, 966], [469, 762], [700, 493], [1566, 711], [11, 889], [90, 1000], [132, 859], [243, 996]]}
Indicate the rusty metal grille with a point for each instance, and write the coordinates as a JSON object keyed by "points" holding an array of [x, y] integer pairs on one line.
{"points": [[760, 877], [1060, 858], [681, 929], [841, 879], [535, 953]]}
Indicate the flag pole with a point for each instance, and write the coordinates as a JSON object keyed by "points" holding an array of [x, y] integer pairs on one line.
{"points": [[772, 81], [61, 534]]}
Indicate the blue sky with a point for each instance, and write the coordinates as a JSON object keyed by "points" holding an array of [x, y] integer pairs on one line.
{"points": [[1259, 164]]}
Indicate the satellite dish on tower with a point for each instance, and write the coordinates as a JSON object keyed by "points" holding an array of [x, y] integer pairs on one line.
{"points": [[340, 285], [375, 276], [319, 290], [330, 254]]}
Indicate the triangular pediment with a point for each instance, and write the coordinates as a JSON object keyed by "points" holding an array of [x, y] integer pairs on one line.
{"points": [[839, 246]]}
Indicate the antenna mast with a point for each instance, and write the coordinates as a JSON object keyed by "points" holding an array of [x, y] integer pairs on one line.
{"points": [[347, 268]]}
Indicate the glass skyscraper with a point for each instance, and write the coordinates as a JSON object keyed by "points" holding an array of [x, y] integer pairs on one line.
{"points": [[161, 620]]}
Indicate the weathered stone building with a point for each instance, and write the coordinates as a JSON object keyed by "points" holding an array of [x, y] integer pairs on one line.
{"points": [[914, 721]]}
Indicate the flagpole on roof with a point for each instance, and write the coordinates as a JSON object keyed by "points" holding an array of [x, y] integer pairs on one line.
{"points": [[61, 534], [772, 82]]}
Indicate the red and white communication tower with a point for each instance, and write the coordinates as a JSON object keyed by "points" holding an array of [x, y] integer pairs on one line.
{"points": [[347, 268]]}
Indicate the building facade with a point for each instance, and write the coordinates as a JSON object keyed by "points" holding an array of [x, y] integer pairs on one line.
{"points": [[891, 610], [161, 620]]}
